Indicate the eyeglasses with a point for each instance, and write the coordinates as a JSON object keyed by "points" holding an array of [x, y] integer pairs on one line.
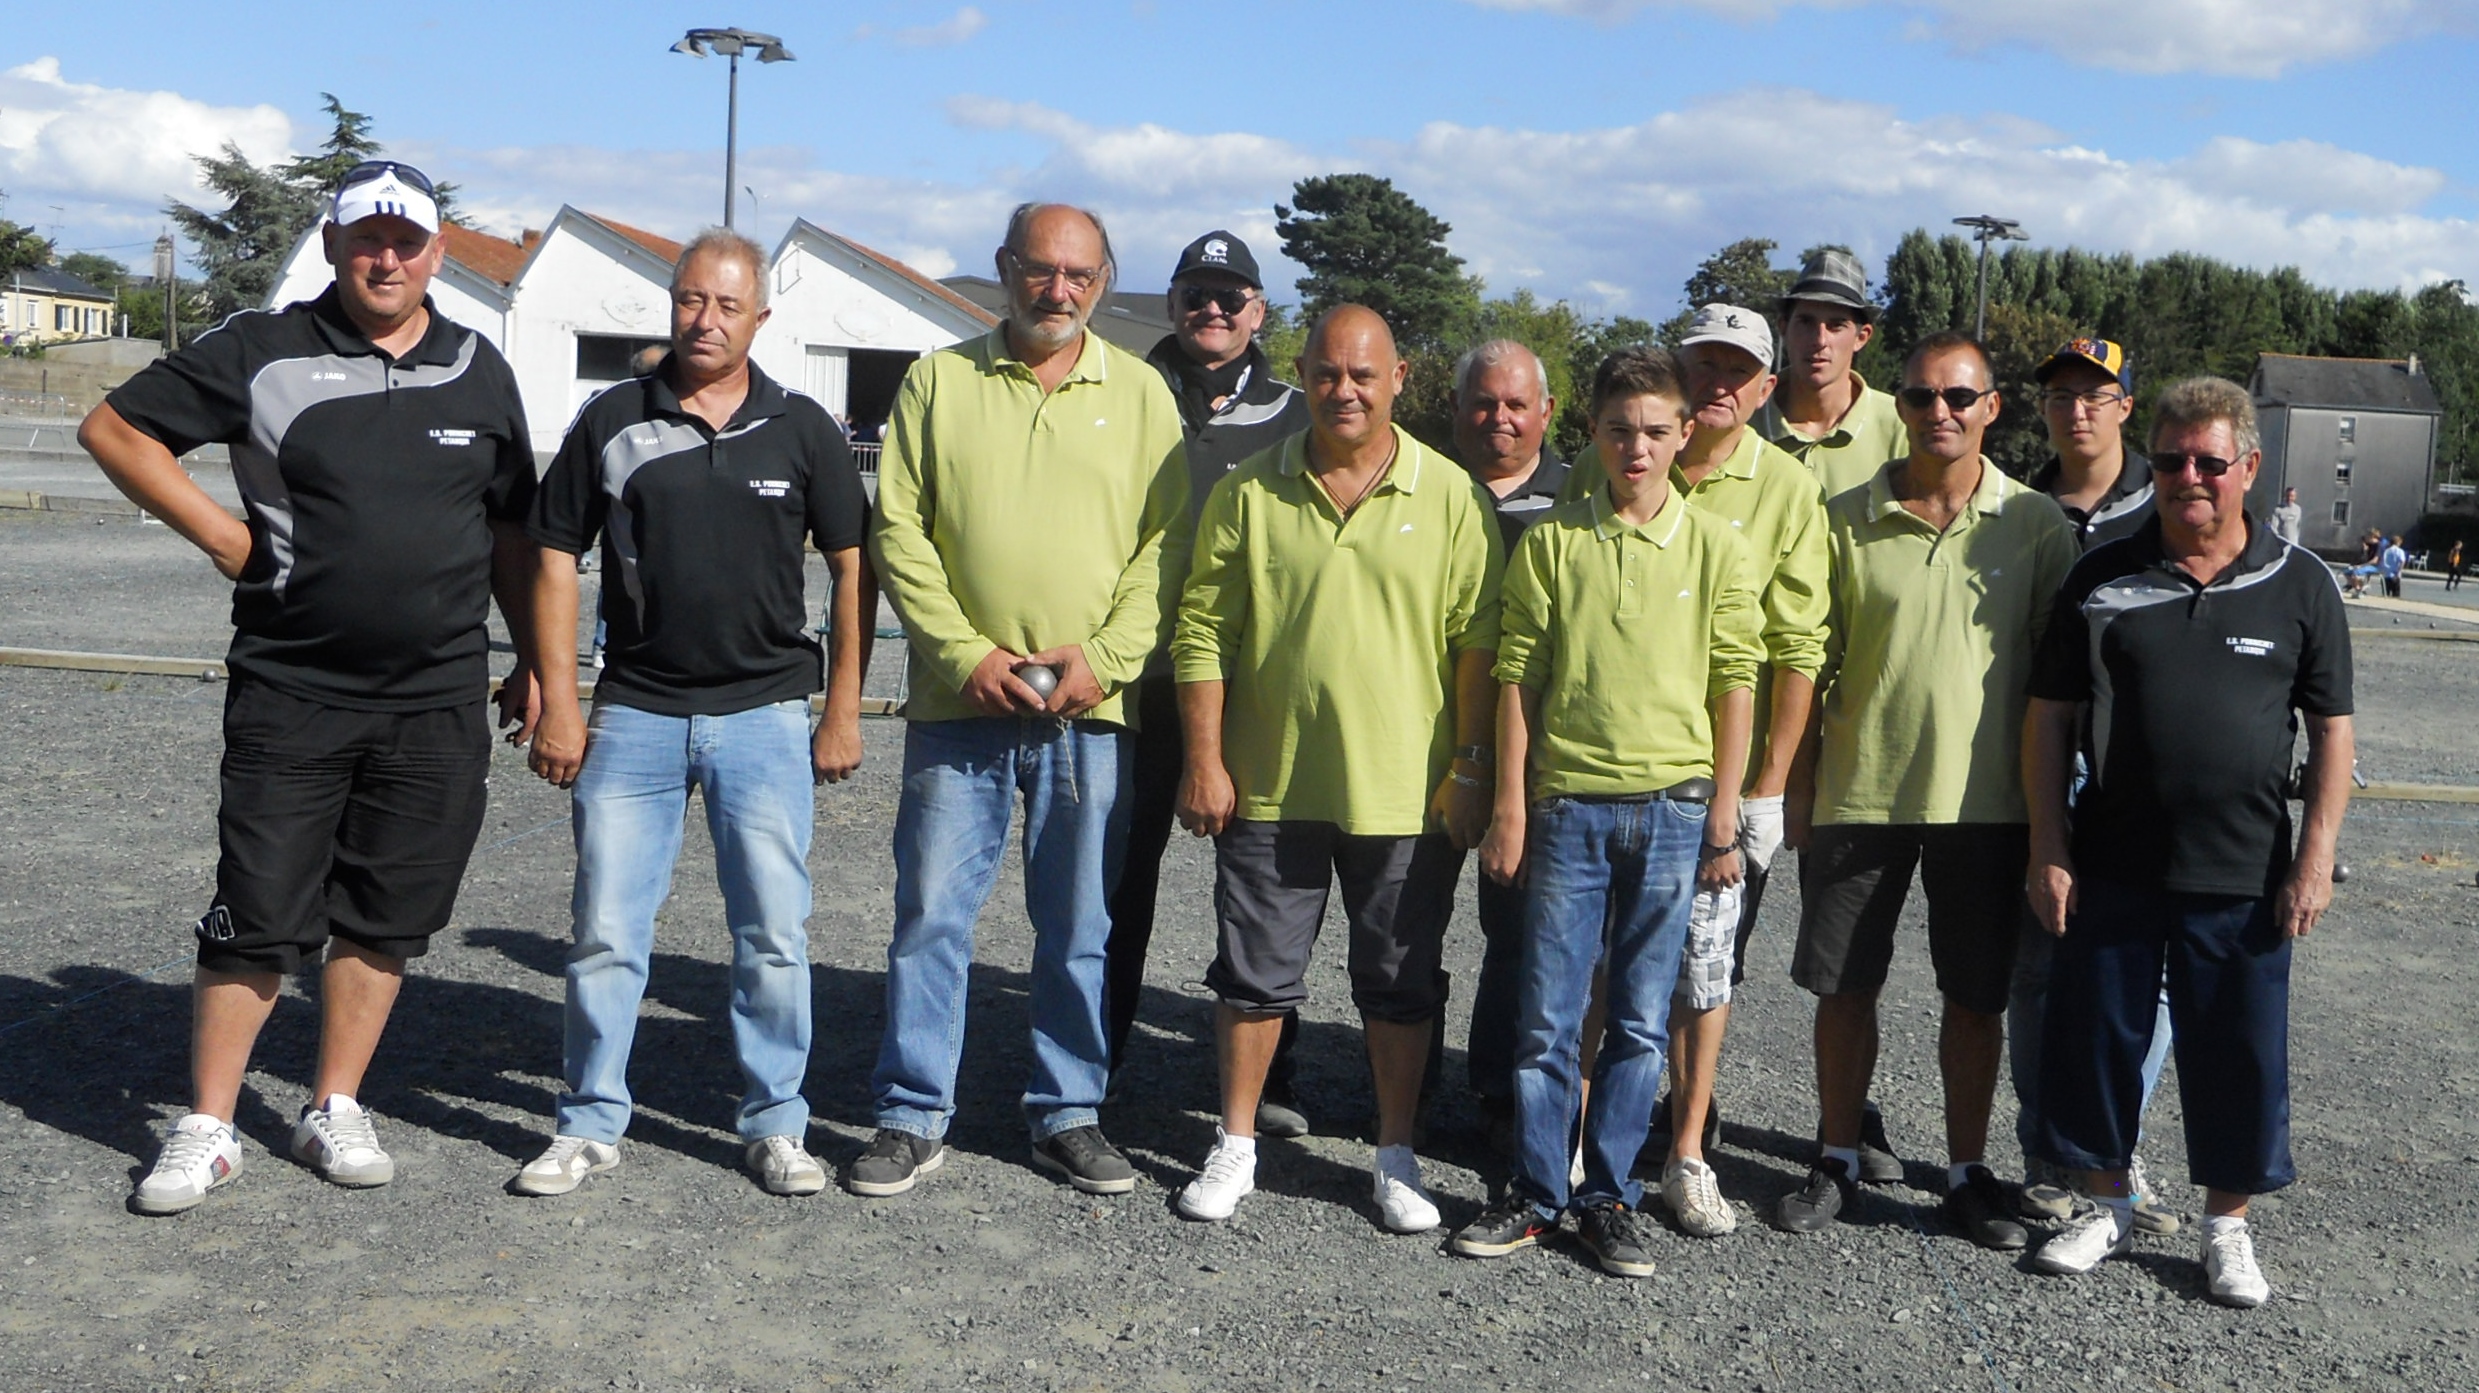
{"points": [[1232, 300], [1079, 278], [1957, 399], [368, 170], [2098, 399], [2207, 466]]}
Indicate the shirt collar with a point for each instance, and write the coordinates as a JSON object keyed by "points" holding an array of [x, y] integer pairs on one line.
{"points": [[1660, 529], [1089, 363], [763, 399], [1547, 479], [1839, 436], [1988, 496], [437, 345], [2132, 475], [1739, 464], [1402, 477]]}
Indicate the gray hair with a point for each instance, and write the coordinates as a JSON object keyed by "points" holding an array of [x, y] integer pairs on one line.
{"points": [[2200, 401], [1021, 220], [722, 241], [1482, 357]]}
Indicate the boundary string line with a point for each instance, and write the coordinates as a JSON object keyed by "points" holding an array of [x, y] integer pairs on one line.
{"points": [[1954, 1297], [50, 1011]]}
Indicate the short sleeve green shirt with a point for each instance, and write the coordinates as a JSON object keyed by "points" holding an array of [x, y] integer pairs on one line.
{"points": [[1010, 517], [1929, 650], [1868, 435], [1627, 632], [1338, 636]]}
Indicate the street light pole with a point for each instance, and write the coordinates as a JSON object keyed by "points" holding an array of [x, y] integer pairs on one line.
{"points": [[730, 43], [163, 277], [1987, 228]]}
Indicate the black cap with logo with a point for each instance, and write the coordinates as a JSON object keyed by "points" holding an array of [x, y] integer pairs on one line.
{"points": [[1220, 251]]}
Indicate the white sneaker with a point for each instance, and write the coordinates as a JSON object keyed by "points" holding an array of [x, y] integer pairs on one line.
{"points": [[339, 1143], [784, 1167], [200, 1153], [2230, 1273], [1229, 1176], [2091, 1237], [1401, 1202], [565, 1165], [1694, 1194]]}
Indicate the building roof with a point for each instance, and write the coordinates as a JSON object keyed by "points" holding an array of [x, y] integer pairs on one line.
{"points": [[1133, 321], [944, 293], [492, 258], [44, 280], [663, 247], [2366, 384]]}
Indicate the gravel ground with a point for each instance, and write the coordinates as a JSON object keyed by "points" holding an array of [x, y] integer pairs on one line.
{"points": [[676, 1272]]}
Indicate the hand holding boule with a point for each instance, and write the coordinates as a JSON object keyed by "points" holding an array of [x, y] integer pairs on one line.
{"points": [[1043, 679]]}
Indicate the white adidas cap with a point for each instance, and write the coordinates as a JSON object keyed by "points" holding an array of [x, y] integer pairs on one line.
{"points": [[386, 187]]}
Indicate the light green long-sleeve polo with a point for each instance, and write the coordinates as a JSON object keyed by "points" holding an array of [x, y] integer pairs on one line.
{"points": [[1928, 652], [1010, 517], [1627, 632], [1338, 636]]}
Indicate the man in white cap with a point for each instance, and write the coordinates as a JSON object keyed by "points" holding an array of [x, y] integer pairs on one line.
{"points": [[381, 453], [1825, 413]]}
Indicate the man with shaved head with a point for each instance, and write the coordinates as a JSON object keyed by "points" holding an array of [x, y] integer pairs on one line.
{"points": [[1029, 506], [1333, 655]]}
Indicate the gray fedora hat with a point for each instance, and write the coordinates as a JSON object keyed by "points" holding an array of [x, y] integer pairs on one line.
{"points": [[1834, 277]]}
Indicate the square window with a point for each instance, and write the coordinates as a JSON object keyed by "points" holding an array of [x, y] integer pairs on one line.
{"points": [[2341, 513], [2349, 430]]}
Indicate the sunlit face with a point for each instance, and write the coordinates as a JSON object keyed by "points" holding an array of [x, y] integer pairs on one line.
{"points": [[2189, 498], [715, 313], [1055, 280], [1639, 435], [1726, 385], [384, 265], [1501, 416], [2085, 409], [1352, 375], [1938, 430], [1820, 341], [1209, 333]]}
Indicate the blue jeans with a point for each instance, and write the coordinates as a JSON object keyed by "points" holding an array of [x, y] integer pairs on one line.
{"points": [[962, 780], [752, 767], [1632, 868]]}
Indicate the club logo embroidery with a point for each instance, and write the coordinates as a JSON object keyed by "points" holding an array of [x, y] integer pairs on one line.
{"points": [[215, 926], [1216, 250], [458, 438], [2251, 647], [771, 488]]}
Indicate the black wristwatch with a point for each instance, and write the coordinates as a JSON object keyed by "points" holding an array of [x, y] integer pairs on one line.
{"points": [[1706, 851]]}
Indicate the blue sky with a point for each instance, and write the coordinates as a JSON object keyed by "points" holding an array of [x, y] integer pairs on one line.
{"points": [[1586, 149]]}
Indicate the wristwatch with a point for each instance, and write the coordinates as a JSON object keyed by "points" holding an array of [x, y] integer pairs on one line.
{"points": [[1478, 754], [1706, 851]]}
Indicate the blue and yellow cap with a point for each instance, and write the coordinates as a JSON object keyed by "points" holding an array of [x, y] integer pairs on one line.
{"points": [[2100, 353]]}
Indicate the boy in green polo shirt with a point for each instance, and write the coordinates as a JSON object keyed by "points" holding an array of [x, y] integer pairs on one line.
{"points": [[1628, 652]]}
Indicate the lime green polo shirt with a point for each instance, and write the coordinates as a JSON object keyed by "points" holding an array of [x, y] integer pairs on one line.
{"points": [[1627, 633], [1868, 435], [1928, 650], [1774, 506], [1010, 517], [1339, 636]]}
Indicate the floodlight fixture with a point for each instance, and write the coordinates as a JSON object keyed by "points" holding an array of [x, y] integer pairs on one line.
{"points": [[732, 43]]}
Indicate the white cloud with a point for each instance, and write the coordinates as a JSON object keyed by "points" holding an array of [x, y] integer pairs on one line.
{"points": [[956, 28], [113, 155], [2246, 38]]}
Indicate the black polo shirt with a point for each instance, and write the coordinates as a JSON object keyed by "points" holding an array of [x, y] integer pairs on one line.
{"points": [[701, 532], [1532, 499], [369, 482], [1259, 410], [2118, 513], [2193, 691]]}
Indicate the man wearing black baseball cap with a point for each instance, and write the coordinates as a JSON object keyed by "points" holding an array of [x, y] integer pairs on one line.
{"points": [[385, 473], [1231, 405]]}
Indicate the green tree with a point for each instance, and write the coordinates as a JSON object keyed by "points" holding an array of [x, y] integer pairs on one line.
{"points": [[1741, 274], [96, 269], [21, 249], [1363, 241]]}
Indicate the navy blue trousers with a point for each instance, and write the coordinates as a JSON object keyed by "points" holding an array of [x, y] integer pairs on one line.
{"points": [[2229, 997]]}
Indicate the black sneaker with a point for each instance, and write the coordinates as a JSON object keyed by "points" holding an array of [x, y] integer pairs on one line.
{"points": [[1978, 1210], [1615, 1234], [1878, 1165], [1817, 1203], [1090, 1163], [1278, 1112], [1502, 1228], [893, 1162]]}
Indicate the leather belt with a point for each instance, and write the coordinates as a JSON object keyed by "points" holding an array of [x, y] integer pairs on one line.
{"points": [[1696, 790]]}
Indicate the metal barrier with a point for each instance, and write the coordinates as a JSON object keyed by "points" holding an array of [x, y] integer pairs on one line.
{"points": [[35, 404], [865, 458]]}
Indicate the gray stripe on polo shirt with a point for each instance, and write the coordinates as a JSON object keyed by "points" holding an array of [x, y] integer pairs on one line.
{"points": [[2101, 608], [641, 444]]}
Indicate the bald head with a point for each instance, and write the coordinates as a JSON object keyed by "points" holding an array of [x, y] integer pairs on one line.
{"points": [[1352, 374]]}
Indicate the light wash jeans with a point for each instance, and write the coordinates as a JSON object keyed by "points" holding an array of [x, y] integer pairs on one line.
{"points": [[752, 767], [1629, 868], [962, 782]]}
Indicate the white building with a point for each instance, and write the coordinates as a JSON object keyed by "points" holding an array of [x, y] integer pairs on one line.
{"points": [[570, 305]]}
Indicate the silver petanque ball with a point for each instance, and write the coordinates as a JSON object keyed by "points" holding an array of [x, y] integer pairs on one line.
{"points": [[1041, 678]]}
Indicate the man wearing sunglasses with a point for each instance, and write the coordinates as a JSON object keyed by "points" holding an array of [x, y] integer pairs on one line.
{"points": [[385, 472], [1942, 574], [1231, 405], [2180, 662], [1031, 506]]}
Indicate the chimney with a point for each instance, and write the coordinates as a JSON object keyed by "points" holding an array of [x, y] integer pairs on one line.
{"points": [[530, 236], [2413, 365]]}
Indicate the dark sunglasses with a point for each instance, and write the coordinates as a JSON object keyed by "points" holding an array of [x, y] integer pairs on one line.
{"points": [[2208, 466], [1196, 297], [368, 170], [1956, 399]]}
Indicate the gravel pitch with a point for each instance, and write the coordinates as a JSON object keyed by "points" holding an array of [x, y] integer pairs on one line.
{"points": [[677, 1272]]}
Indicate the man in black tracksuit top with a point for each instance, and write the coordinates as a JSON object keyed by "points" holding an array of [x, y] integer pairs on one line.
{"points": [[383, 461], [1232, 406]]}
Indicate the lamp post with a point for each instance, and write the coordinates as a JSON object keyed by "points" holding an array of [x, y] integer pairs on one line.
{"points": [[730, 43], [163, 277], [1987, 228]]}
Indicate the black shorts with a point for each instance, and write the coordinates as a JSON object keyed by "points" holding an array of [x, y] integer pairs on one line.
{"points": [[351, 823], [1270, 885], [1853, 880]]}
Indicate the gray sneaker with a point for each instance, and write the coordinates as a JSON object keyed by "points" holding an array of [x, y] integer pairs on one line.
{"points": [[2045, 1197], [339, 1143], [1087, 1160], [1616, 1236], [894, 1161], [2151, 1215]]}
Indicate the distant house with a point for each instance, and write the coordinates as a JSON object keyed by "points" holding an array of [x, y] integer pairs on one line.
{"points": [[1134, 320], [2355, 436], [572, 304], [42, 305]]}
